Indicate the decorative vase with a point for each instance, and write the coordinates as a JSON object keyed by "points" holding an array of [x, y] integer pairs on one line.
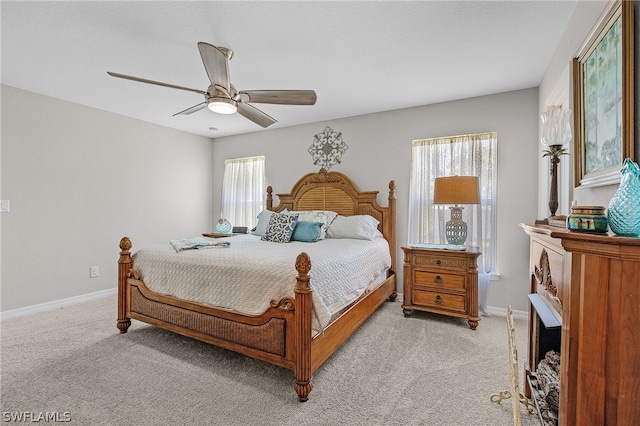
{"points": [[223, 226], [587, 219], [624, 207]]}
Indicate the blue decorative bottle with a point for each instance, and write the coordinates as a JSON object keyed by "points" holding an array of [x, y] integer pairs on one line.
{"points": [[223, 226], [624, 207]]}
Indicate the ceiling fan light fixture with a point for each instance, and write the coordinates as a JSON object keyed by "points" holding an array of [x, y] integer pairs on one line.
{"points": [[222, 105], [222, 97]]}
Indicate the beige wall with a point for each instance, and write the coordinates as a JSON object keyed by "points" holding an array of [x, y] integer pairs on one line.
{"points": [[380, 150], [64, 167], [78, 180]]}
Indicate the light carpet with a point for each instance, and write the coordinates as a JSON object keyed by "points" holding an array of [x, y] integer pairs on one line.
{"points": [[424, 370]]}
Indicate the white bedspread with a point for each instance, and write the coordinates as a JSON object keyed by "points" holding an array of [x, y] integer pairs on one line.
{"points": [[250, 273]]}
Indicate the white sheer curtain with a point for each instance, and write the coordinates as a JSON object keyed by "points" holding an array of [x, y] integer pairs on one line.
{"points": [[243, 190], [467, 155]]}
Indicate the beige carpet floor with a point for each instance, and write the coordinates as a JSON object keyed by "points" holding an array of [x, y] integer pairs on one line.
{"points": [[423, 370]]}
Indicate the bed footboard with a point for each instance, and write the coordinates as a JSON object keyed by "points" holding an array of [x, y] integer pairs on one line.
{"points": [[281, 336]]}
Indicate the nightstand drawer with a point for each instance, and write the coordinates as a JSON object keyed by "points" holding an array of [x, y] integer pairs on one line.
{"points": [[434, 299], [429, 261], [434, 279]]}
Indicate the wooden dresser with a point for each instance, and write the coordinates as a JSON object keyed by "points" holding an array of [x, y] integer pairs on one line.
{"points": [[600, 350], [441, 281]]}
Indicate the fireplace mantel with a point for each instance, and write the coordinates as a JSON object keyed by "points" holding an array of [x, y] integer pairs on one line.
{"points": [[600, 307]]}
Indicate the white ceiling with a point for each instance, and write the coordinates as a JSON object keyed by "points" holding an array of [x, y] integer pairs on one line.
{"points": [[359, 57]]}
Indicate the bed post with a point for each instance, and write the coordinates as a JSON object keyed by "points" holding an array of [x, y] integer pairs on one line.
{"points": [[269, 198], [302, 368], [392, 235], [124, 265]]}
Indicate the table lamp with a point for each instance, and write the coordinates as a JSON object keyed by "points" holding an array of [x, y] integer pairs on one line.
{"points": [[456, 190], [556, 132]]}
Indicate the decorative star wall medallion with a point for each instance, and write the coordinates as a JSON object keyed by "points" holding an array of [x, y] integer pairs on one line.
{"points": [[327, 148]]}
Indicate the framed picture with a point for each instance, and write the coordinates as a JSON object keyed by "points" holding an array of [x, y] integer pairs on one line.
{"points": [[603, 98]]}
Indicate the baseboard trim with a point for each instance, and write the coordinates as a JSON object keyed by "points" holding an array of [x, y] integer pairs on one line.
{"points": [[56, 304]]}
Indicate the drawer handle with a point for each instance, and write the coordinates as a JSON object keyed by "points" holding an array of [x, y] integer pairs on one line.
{"points": [[438, 300], [438, 262], [438, 279]]}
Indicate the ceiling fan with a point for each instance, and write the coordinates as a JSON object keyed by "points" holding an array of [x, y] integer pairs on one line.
{"points": [[222, 97]]}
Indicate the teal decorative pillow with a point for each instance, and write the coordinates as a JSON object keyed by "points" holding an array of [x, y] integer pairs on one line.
{"points": [[324, 216], [307, 232], [280, 228]]}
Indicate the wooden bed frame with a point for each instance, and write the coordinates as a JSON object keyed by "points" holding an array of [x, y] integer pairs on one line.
{"points": [[282, 335]]}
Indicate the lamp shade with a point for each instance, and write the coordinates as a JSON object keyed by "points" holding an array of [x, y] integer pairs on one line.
{"points": [[456, 190], [556, 126]]}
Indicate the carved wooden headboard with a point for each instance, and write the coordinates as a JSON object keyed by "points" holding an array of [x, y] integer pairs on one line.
{"points": [[335, 191]]}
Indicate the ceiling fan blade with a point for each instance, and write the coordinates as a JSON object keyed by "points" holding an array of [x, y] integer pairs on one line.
{"points": [[192, 109], [284, 97], [255, 115], [215, 63], [157, 83]]}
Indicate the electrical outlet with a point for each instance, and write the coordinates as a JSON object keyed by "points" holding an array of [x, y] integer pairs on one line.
{"points": [[5, 206], [94, 271]]}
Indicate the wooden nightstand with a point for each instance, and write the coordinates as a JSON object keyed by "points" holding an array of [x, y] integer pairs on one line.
{"points": [[441, 281], [219, 235]]}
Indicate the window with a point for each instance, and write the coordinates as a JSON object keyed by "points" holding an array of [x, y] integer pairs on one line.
{"points": [[467, 155], [243, 190]]}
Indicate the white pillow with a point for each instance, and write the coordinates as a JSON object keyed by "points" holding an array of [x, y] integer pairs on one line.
{"points": [[359, 227], [263, 221], [325, 217]]}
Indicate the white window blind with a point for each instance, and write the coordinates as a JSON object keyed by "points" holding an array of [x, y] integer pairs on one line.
{"points": [[466, 155], [243, 190]]}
